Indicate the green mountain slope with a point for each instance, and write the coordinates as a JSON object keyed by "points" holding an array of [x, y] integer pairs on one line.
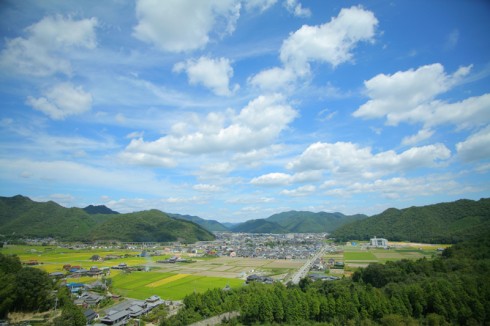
{"points": [[439, 223], [259, 226], [210, 225], [297, 222], [99, 209], [152, 225], [309, 222], [23, 217]]}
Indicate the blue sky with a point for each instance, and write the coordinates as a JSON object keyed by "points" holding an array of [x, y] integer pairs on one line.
{"points": [[233, 110]]}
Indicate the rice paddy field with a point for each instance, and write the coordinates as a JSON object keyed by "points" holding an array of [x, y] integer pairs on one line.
{"points": [[169, 281], [359, 256], [175, 281]]}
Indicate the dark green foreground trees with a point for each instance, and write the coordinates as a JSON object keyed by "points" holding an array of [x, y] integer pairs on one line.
{"points": [[453, 289], [30, 289], [23, 288]]}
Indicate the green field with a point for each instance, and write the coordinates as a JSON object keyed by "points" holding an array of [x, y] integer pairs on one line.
{"points": [[135, 285], [355, 257], [359, 255]]}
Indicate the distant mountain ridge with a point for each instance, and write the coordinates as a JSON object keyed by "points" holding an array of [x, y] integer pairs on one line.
{"points": [[259, 226], [210, 225], [439, 223], [99, 209], [298, 222], [21, 216]]}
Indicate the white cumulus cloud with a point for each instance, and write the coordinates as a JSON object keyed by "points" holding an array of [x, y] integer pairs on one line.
{"points": [[184, 25], [331, 43], [206, 187], [476, 147], [300, 191], [411, 96], [214, 74], [346, 157], [421, 135], [250, 129], [38, 54], [294, 7], [62, 100], [261, 5]]}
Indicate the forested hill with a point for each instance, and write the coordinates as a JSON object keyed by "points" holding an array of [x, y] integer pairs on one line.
{"points": [[99, 209], [21, 216], [210, 225], [308, 222], [152, 225], [259, 226], [298, 222], [439, 223]]}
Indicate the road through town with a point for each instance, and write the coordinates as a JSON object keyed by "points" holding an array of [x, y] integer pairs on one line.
{"points": [[303, 271]]}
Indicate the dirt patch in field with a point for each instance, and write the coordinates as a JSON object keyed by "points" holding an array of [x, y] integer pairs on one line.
{"points": [[389, 255], [222, 268], [219, 274], [356, 265], [286, 264]]}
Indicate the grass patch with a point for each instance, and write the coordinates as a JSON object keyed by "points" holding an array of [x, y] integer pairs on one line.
{"points": [[359, 255], [131, 281], [172, 290]]}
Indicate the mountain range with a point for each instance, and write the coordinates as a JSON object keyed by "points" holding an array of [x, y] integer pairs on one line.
{"points": [[438, 223], [297, 222], [210, 225], [22, 216]]}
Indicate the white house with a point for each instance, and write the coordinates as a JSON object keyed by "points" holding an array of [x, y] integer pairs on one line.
{"points": [[378, 242]]}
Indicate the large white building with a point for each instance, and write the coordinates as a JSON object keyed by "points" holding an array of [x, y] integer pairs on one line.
{"points": [[378, 242]]}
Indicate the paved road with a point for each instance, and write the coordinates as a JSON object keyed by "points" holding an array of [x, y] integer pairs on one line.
{"points": [[303, 271]]}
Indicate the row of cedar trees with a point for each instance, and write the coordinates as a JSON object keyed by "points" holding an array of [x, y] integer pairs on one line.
{"points": [[451, 289]]}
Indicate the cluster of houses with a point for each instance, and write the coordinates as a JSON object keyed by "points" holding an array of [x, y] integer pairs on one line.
{"points": [[78, 271], [259, 279], [121, 313], [173, 260], [268, 246]]}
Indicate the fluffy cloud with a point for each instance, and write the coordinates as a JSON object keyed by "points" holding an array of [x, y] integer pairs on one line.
{"points": [[284, 179], [38, 53], [206, 188], [476, 147], [61, 101], [300, 191], [261, 5], [183, 25], [296, 8], [272, 179], [411, 96], [273, 79], [331, 43], [423, 134], [250, 129], [346, 157], [214, 74], [399, 187]]}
